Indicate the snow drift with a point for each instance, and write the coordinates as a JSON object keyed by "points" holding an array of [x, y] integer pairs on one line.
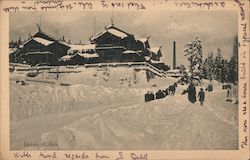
{"points": [[170, 123], [39, 100]]}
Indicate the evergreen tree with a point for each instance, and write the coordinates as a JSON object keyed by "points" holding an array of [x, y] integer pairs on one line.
{"points": [[218, 66], [19, 41], [194, 53], [233, 64], [11, 44], [185, 78], [224, 71], [211, 66]]}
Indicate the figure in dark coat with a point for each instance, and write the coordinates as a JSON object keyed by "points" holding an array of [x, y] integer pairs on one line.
{"points": [[159, 94], [149, 96], [191, 93], [201, 96], [171, 90], [166, 92]]}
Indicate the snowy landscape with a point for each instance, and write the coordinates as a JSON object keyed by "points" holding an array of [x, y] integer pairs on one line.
{"points": [[120, 90], [88, 116]]}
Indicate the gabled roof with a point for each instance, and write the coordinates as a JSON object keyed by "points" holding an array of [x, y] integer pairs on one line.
{"points": [[42, 38], [39, 40], [112, 30], [44, 35]]}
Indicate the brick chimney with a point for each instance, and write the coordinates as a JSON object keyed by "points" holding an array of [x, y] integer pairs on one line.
{"points": [[174, 56]]}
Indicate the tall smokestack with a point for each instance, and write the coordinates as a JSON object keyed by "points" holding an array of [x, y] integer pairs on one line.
{"points": [[174, 56]]}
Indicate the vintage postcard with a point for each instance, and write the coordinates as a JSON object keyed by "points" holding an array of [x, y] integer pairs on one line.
{"points": [[124, 80]]}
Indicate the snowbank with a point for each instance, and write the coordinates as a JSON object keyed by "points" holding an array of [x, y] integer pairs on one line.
{"points": [[39, 100]]}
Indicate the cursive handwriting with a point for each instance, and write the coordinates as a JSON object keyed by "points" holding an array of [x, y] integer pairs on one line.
{"points": [[243, 70], [242, 11], [201, 5], [244, 142], [22, 155], [101, 156], [73, 156], [139, 156], [47, 155], [245, 37], [63, 5]]}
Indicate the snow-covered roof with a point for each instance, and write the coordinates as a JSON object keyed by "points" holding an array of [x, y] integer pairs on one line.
{"points": [[44, 35], [143, 40], [131, 52], [111, 47], [147, 58], [117, 33], [155, 49], [39, 40], [43, 41], [64, 43], [156, 62], [85, 47], [112, 30], [88, 55], [33, 53], [66, 57]]}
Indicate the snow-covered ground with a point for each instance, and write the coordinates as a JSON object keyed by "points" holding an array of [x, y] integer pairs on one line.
{"points": [[95, 115]]}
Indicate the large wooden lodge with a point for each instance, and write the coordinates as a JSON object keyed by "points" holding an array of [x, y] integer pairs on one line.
{"points": [[112, 45]]}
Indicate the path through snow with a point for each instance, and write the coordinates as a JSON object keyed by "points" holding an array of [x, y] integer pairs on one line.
{"points": [[170, 123]]}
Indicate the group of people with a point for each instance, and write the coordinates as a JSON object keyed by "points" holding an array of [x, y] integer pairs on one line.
{"points": [[191, 90], [161, 93]]}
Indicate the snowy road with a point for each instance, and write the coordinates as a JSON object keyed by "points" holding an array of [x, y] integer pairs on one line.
{"points": [[169, 123], [156, 125]]}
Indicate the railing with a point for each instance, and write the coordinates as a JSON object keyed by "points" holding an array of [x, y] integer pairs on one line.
{"points": [[143, 65], [139, 65]]}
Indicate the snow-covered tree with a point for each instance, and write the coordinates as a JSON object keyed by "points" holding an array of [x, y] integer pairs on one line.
{"points": [[208, 66], [193, 51], [185, 77], [218, 65], [233, 64]]}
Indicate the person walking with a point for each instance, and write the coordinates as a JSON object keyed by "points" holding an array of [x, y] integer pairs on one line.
{"points": [[191, 92], [201, 96]]}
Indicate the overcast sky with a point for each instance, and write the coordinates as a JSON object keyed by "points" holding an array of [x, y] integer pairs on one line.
{"points": [[216, 29]]}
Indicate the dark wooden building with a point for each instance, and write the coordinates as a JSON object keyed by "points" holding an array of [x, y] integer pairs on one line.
{"points": [[116, 45], [41, 49], [112, 45]]}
